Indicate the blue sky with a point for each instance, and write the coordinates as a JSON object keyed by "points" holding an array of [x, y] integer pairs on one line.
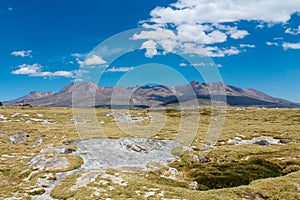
{"points": [[254, 44]]}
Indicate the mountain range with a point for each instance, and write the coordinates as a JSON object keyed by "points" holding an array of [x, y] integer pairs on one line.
{"points": [[87, 94]]}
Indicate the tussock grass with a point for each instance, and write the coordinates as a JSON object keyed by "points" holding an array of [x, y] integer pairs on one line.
{"points": [[229, 166]]}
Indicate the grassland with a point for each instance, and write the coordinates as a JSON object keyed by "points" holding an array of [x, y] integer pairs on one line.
{"points": [[229, 172]]}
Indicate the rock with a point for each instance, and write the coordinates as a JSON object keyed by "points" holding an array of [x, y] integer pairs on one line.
{"points": [[50, 177], [124, 152], [284, 141], [66, 151], [153, 166], [25, 105], [36, 191], [51, 149], [193, 185], [297, 187], [262, 142], [173, 172], [138, 147], [253, 195], [195, 158], [1, 104], [203, 159], [18, 138], [38, 142], [42, 162]]}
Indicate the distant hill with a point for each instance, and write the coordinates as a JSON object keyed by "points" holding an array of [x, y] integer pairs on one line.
{"points": [[150, 96]]}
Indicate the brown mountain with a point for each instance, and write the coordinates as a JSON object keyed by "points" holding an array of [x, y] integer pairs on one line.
{"points": [[32, 96], [86, 94]]}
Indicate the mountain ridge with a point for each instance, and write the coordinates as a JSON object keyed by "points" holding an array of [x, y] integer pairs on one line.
{"points": [[150, 96]]}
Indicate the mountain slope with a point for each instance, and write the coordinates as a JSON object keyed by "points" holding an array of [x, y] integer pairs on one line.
{"points": [[88, 94]]}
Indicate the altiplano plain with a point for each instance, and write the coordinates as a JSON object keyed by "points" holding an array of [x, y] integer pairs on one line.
{"points": [[257, 156]]}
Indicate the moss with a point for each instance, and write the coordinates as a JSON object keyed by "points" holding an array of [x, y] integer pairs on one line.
{"points": [[234, 174]]}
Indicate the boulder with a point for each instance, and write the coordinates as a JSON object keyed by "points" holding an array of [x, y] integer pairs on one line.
{"points": [[66, 151], [138, 147], [18, 138], [262, 142], [193, 185], [284, 141]]}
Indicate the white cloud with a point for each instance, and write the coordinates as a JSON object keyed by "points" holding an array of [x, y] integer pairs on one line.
{"points": [[217, 52], [247, 45], [239, 34], [293, 31], [91, 60], [35, 70], [232, 31], [288, 45], [27, 69], [22, 53], [202, 64], [220, 11], [190, 25], [272, 43], [78, 55], [183, 65], [260, 26], [150, 47], [66, 74], [158, 34], [196, 33], [120, 69]]}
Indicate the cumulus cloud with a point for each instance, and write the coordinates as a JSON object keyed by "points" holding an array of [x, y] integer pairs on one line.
{"points": [[239, 34], [35, 70], [272, 43], [220, 11], [181, 25], [293, 31], [221, 52], [288, 45], [197, 33], [91, 60], [150, 47], [22, 53], [120, 69]]}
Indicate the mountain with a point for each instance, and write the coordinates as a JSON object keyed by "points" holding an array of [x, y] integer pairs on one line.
{"points": [[32, 96], [87, 94]]}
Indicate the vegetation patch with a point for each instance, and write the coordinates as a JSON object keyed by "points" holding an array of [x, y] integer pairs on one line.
{"points": [[233, 174]]}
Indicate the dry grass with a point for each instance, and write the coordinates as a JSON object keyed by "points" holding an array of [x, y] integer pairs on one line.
{"points": [[249, 123]]}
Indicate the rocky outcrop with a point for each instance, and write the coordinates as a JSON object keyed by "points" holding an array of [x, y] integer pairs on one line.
{"points": [[125, 152]]}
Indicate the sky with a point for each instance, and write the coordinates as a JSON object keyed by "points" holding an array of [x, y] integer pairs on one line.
{"points": [[46, 45]]}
